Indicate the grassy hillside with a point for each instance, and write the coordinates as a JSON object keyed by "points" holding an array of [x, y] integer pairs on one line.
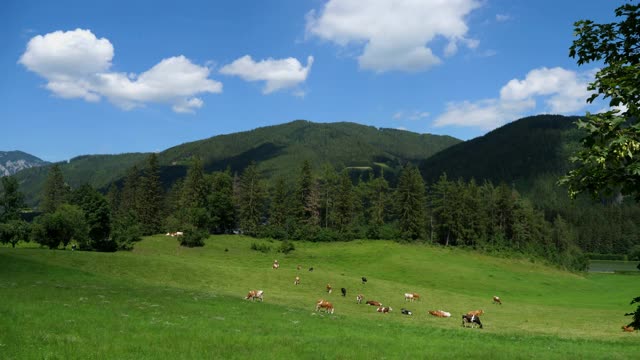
{"points": [[163, 301], [279, 150]]}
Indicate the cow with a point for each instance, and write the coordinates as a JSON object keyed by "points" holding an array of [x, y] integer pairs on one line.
{"points": [[440, 313], [476, 312], [297, 281], [496, 300], [471, 319], [406, 312], [373, 303], [255, 294], [384, 310], [364, 280], [359, 298], [276, 265], [344, 291], [628, 328], [179, 233], [411, 296], [299, 267], [311, 269], [327, 306], [329, 288]]}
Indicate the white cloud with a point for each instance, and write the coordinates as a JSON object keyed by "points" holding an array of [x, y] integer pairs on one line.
{"points": [[410, 115], [395, 34], [76, 65], [278, 74], [562, 92]]}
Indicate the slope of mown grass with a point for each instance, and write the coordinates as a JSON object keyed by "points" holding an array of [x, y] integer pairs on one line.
{"points": [[164, 301]]}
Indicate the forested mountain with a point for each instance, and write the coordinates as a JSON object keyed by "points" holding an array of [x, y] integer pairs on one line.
{"points": [[278, 150], [514, 153], [13, 161]]}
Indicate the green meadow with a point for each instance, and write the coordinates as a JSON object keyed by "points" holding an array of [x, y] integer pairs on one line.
{"points": [[164, 301]]}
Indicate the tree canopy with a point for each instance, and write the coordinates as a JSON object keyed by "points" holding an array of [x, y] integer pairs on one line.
{"points": [[609, 161]]}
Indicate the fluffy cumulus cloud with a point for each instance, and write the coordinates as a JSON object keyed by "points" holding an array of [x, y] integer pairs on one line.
{"points": [[76, 64], [561, 91], [395, 34], [277, 74]]}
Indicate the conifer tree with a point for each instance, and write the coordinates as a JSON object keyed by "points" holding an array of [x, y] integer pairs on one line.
{"points": [[150, 198], [251, 199], [307, 197], [344, 202], [328, 185], [55, 190], [411, 203], [195, 188], [378, 201], [220, 205], [279, 209], [130, 193], [11, 200]]}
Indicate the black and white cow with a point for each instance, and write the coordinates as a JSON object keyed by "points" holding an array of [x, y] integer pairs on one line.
{"points": [[406, 312], [364, 280], [471, 319], [344, 291]]}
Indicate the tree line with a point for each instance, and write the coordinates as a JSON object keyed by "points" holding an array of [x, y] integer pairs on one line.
{"points": [[321, 205]]}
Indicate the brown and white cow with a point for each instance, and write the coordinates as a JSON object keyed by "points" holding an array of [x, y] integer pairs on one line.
{"points": [[329, 288], [359, 298], [440, 313], [384, 310], [255, 294], [496, 300], [276, 265], [297, 281], [373, 303], [411, 296], [327, 306]]}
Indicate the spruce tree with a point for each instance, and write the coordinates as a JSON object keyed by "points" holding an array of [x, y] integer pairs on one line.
{"points": [[220, 205], [410, 203], [130, 194], [11, 200], [55, 190], [378, 203], [251, 199], [151, 198], [279, 209], [194, 188], [307, 198], [344, 202]]}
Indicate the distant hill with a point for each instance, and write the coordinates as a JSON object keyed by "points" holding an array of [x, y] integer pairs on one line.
{"points": [[517, 152], [278, 150], [13, 161]]}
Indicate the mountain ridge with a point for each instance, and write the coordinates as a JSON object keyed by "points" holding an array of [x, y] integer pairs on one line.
{"points": [[11, 162]]}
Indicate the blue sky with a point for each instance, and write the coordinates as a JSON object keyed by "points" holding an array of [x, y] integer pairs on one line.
{"points": [[105, 77]]}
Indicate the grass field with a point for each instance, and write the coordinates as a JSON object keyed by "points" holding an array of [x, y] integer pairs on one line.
{"points": [[164, 301], [613, 266]]}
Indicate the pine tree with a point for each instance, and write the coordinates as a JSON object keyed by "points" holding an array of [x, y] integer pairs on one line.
{"points": [[55, 190], [130, 194], [279, 209], [11, 200], [251, 199], [328, 185], [344, 202], [307, 197], [150, 198], [410, 203], [195, 188], [220, 206], [378, 203]]}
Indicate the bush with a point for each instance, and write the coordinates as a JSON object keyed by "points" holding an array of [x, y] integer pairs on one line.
{"points": [[286, 247], [193, 237], [634, 253], [264, 248]]}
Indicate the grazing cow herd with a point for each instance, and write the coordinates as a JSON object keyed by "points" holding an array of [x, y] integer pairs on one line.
{"points": [[176, 233], [471, 318]]}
